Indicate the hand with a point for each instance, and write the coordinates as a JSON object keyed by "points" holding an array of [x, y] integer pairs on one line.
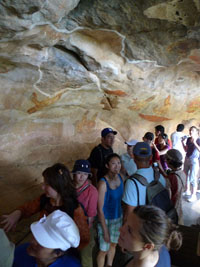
{"points": [[10, 221], [106, 236]]}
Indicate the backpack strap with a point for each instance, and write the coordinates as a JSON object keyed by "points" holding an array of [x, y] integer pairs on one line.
{"points": [[101, 154], [83, 189], [156, 173], [139, 178], [179, 177], [137, 189]]}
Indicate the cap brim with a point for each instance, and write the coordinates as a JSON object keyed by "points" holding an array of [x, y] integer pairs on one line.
{"points": [[42, 237], [73, 172]]}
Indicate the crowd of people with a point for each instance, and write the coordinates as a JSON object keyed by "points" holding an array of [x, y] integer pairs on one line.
{"points": [[107, 196]]}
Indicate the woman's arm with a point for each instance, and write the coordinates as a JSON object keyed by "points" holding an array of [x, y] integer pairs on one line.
{"points": [[28, 209], [102, 190], [161, 152]]}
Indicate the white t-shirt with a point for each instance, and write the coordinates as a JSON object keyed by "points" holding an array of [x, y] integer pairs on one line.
{"points": [[176, 142]]}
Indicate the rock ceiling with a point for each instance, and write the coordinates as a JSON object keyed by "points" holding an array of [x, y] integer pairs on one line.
{"points": [[70, 67]]}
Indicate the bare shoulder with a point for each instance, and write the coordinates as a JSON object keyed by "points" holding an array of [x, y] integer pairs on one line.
{"points": [[102, 185]]}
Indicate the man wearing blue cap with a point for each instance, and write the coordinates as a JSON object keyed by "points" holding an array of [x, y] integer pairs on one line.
{"points": [[100, 152], [142, 155]]}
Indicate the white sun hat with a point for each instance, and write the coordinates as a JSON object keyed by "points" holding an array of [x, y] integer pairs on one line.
{"points": [[56, 231], [132, 142]]}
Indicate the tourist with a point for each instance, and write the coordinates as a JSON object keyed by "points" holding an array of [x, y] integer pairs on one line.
{"points": [[142, 156], [87, 195], [147, 234], [176, 178], [191, 165], [176, 138], [109, 210], [128, 164], [100, 152], [59, 193], [161, 148], [53, 236]]}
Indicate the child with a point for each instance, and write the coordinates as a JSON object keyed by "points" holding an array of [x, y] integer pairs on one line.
{"points": [[176, 178], [87, 195], [110, 190], [59, 193]]}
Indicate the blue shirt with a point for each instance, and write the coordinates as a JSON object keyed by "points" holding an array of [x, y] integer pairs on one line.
{"points": [[130, 192], [164, 258], [22, 259], [129, 164], [112, 207]]}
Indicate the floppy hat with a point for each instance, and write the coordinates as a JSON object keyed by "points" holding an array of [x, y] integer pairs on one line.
{"points": [[142, 149], [56, 231], [132, 142], [175, 155], [81, 165], [106, 131], [7, 250]]}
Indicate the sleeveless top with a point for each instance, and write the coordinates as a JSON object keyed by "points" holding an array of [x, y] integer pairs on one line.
{"points": [[112, 203]]}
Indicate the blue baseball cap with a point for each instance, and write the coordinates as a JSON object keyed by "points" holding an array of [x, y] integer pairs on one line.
{"points": [[142, 149], [106, 131], [81, 165]]}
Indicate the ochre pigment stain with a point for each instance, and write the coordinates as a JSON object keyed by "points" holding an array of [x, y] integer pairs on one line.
{"points": [[153, 118], [44, 103]]}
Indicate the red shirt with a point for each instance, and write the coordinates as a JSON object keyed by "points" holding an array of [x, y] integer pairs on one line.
{"points": [[88, 198]]}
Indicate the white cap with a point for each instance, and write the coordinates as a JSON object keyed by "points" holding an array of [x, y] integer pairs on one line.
{"points": [[56, 231], [131, 142]]}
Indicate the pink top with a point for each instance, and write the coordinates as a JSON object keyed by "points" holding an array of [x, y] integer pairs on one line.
{"points": [[88, 198]]}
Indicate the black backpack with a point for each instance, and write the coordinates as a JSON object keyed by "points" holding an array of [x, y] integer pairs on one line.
{"points": [[156, 194]]}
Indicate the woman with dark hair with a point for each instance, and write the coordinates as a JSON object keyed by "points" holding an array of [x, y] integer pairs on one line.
{"points": [[59, 193], [162, 147], [110, 190], [147, 234]]}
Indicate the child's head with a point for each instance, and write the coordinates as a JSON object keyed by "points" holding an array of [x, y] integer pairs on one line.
{"points": [[174, 159], [81, 171], [113, 163], [148, 137]]}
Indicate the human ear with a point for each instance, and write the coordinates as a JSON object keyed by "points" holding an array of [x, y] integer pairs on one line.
{"points": [[58, 252], [149, 246]]}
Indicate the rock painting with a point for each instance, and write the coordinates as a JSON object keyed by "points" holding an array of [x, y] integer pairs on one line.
{"points": [[115, 92], [138, 105], [85, 124], [109, 102], [194, 106], [44, 103], [153, 118], [163, 109], [183, 47]]}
